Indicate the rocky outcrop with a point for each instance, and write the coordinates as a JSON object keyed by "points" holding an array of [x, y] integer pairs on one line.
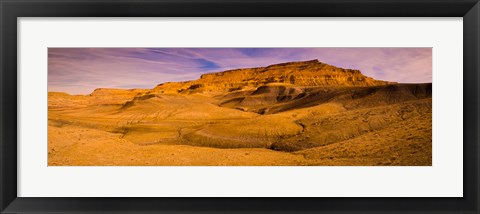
{"points": [[306, 73], [114, 96], [290, 74], [99, 96]]}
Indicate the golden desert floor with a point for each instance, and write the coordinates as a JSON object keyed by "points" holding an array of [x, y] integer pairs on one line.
{"points": [[272, 125]]}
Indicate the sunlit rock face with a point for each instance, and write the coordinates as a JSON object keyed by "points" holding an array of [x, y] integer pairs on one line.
{"points": [[306, 73]]}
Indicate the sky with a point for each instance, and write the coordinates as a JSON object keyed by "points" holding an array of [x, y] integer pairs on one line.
{"points": [[81, 70]]}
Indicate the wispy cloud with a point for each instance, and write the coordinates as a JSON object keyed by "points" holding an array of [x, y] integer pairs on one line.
{"points": [[81, 70]]}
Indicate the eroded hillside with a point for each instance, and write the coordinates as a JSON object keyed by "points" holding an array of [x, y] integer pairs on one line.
{"points": [[298, 113]]}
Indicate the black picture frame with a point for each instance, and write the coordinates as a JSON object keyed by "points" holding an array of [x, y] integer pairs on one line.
{"points": [[10, 10]]}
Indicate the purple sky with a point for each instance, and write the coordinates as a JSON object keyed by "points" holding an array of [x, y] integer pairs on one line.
{"points": [[81, 70]]}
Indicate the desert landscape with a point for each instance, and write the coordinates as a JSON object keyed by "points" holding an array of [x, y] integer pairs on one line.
{"points": [[302, 113]]}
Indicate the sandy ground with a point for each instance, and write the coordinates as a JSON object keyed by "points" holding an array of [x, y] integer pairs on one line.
{"points": [[383, 126]]}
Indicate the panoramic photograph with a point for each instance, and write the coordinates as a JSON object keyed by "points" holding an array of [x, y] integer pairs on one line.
{"points": [[239, 106]]}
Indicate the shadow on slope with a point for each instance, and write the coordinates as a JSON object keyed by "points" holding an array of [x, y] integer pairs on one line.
{"points": [[270, 99]]}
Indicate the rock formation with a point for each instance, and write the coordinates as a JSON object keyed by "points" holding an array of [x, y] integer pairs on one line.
{"points": [[296, 113], [306, 73]]}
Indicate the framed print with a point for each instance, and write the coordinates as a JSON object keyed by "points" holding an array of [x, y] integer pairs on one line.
{"points": [[231, 117], [226, 106]]}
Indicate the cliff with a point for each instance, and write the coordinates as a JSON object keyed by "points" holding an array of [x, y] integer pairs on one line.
{"points": [[306, 73]]}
